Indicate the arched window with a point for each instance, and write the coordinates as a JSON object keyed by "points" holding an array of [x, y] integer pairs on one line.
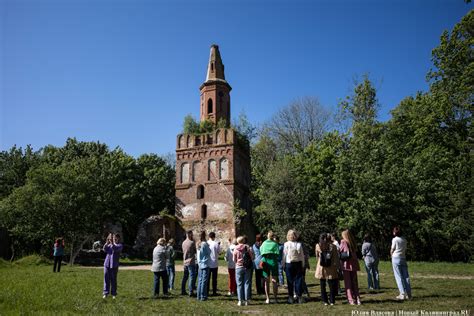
{"points": [[212, 170], [200, 192], [210, 108], [203, 212], [196, 170], [185, 172], [224, 170]]}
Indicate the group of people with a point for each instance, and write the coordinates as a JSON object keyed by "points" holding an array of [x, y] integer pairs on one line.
{"points": [[335, 261], [336, 258]]}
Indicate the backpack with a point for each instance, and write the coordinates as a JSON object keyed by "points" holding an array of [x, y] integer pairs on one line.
{"points": [[247, 259], [325, 258]]}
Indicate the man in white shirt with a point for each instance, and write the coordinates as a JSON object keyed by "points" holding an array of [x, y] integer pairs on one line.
{"points": [[214, 262]]}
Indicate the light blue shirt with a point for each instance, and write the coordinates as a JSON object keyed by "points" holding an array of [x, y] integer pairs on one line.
{"points": [[204, 255]]}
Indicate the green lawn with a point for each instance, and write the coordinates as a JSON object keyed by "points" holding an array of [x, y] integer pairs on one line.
{"points": [[32, 288]]}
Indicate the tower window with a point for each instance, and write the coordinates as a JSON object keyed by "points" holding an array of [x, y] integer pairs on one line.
{"points": [[212, 170], [203, 212], [196, 170], [209, 106], [185, 172], [200, 192], [224, 169], [212, 67]]}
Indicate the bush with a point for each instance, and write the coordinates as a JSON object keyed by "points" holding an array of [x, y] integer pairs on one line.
{"points": [[32, 260]]}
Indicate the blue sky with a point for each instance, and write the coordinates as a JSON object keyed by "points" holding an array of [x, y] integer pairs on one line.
{"points": [[126, 72]]}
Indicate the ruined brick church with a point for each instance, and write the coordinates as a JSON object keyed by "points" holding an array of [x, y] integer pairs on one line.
{"points": [[213, 170]]}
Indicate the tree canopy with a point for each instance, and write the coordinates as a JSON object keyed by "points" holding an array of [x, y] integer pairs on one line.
{"points": [[73, 191], [414, 170]]}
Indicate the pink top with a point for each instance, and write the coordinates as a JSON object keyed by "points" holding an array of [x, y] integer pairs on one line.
{"points": [[238, 254], [353, 263]]}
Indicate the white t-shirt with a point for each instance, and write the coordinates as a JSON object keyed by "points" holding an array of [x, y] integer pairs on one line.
{"points": [[229, 256], [399, 247], [215, 250]]}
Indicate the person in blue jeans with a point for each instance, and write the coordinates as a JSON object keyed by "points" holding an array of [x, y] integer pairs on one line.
{"points": [[170, 269], [204, 256], [281, 279], [243, 273], [399, 264], [189, 264], [371, 260]]}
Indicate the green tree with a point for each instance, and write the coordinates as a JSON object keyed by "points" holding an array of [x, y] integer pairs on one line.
{"points": [[76, 189], [365, 205], [190, 125], [14, 164]]}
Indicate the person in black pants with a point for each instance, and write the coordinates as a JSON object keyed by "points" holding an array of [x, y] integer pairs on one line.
{"points": [[326, 268], [58, 253], [258, 270], [213, 262]]}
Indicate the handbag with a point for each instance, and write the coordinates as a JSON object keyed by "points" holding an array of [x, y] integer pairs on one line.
{"points": [[345, 255]]}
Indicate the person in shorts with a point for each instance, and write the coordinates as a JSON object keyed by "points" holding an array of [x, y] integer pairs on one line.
{"points": [[270, 251]]}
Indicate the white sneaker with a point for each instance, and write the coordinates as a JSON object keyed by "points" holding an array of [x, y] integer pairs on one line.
{"points": [[229, 294], [239, 303], [407, 297], [246, 303], [400, 297], [113, 297], [267, 301], [104, 297]]}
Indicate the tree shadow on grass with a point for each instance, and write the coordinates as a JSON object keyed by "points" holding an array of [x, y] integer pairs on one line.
{"points": [[437, 296], [414, 299], [382, 301], [137, 263], [159, 298]]}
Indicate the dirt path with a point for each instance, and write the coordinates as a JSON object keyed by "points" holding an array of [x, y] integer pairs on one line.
{"points": [[224, 271]]}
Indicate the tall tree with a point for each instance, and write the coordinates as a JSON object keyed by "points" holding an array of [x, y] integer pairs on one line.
{"points": [[361, 180], [295, 126], [14, 164]]}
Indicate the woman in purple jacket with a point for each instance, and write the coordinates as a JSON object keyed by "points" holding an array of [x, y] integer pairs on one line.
{"points": [[112, 248]]}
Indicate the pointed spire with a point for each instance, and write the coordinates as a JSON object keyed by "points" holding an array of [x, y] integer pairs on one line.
{"points": [[215, 68]]}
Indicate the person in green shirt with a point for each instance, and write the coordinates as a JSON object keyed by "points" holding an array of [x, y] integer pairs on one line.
{"points": [[270, 252]]}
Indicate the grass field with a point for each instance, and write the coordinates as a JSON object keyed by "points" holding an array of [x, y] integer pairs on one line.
{"points": [[30, 287]]}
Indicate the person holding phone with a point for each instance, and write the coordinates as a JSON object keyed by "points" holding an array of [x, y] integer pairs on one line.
{"points": [[58, 253], [113, 249]]}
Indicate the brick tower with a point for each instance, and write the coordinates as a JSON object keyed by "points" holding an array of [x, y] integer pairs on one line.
{"points": [[213, 170]]}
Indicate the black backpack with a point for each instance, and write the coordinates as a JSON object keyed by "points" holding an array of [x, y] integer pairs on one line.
{"points": [[325, 258], [247, 259]]}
